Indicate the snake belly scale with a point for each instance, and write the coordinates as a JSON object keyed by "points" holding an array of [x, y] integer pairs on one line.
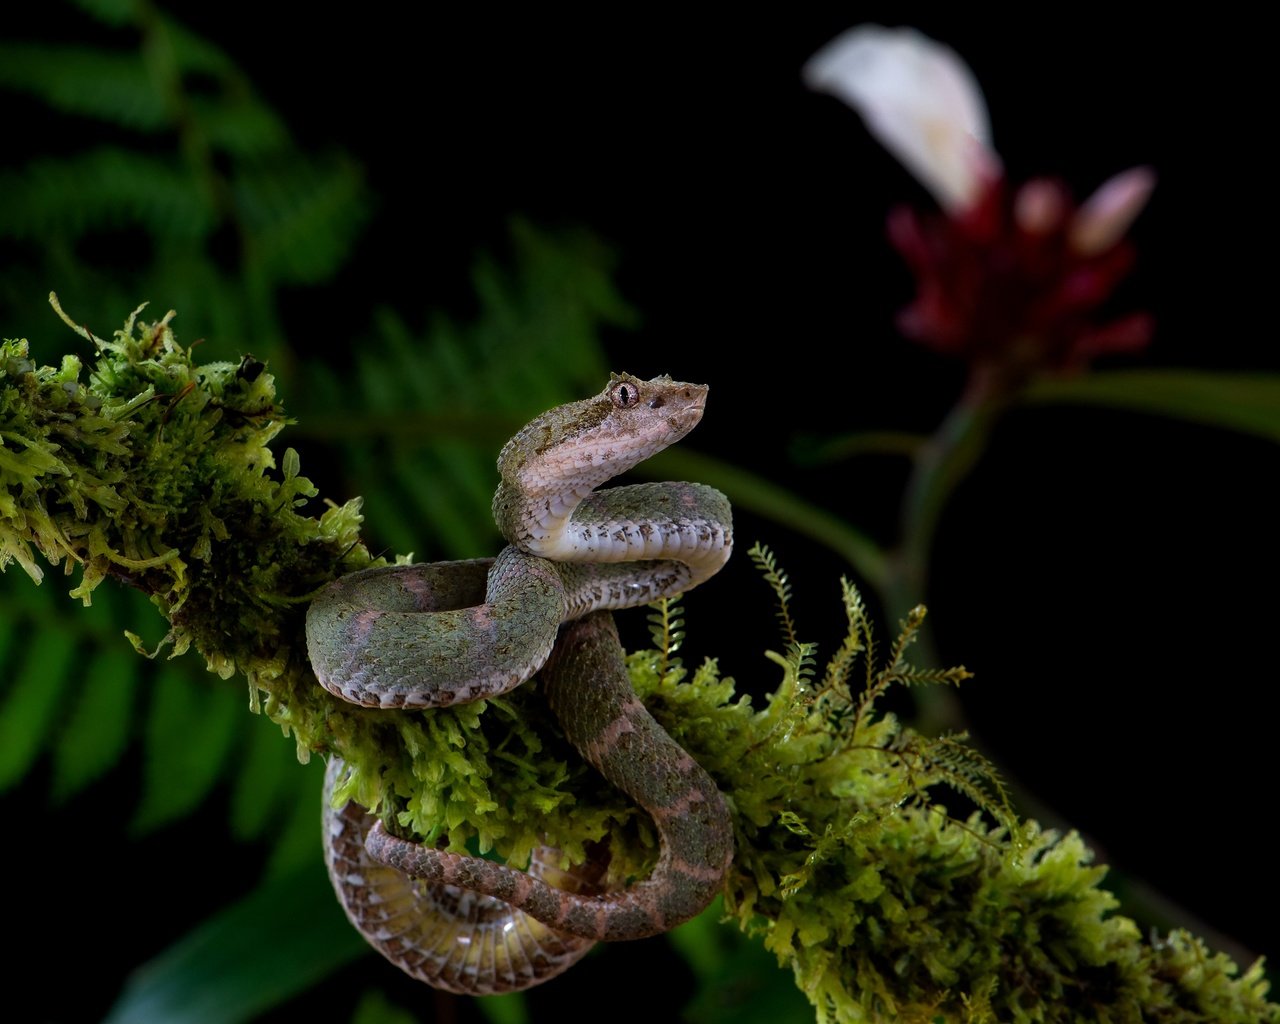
{"points": [[430, 635]]}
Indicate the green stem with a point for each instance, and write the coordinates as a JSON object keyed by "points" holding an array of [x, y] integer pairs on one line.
{"points": [[813, 451], [940, 466], [746, 490]]}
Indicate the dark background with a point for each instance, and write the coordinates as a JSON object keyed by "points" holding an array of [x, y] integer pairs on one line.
{"points": [[1108, 576]]}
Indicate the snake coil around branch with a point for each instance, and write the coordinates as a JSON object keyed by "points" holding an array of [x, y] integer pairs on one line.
{"points": [[430, 635]]}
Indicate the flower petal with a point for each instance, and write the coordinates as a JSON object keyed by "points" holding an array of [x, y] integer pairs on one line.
{"points": [[920, 100], [1105, 216]]}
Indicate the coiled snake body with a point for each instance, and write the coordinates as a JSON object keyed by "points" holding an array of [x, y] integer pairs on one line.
{"points": [[431, 635]]}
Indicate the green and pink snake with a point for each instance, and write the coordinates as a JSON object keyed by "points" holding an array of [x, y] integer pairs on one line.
{"points": [[425, 636]]}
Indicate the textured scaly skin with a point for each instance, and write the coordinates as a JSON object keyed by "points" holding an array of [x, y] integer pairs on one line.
{"points": [[432, 635], [449, 937], [590, 692]]}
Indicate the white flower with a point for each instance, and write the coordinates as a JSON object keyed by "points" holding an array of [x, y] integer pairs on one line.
{"points": [[920, 100]]}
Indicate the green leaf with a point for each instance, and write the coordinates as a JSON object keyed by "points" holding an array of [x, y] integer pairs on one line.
{"points": [[1249, 403], [447, 399], [738, 979], [97, 731], [8, 631], [189, 732], [505, 1009], [267, 775], [275, 943], [33, 702], [375, 1008], [111, 188], [112, 12], [298, 841], [303, 215], [109, 86]]}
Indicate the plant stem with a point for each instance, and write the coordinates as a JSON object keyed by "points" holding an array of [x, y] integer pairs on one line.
{"points": [[940, 464], [767, 499]]}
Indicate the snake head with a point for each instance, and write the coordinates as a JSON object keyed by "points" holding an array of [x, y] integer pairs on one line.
{"points": [[576, 447], [674, 407]]}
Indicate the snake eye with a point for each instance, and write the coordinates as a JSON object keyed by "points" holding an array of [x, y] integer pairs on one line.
{"points": [[624, 394]]}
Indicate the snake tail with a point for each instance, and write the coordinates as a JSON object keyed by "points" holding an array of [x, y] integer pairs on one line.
{"points": [[621, 739], [450, 938]]}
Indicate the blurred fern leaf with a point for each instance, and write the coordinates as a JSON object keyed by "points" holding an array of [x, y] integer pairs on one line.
{"points": [[113, 188], [32, 703], [97, 732], [114, 87], [266, 777], [185, 760], [302, 216], [419, 419], [182, 158], [278, 941]]}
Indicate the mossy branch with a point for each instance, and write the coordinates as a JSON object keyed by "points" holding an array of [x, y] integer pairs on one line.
{"points": [[157, 472]]}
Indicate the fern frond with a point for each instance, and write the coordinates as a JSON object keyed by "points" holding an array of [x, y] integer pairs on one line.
{"points": [[120, 88], [191, 156], [908, 631], [767, 565], [77, 696], [963, 766], [183, 763], [32, 704], [96, 733], [68, 686], [835, 679], [266, 780], [910, 676], [114, 87], [894, 668], [420, 417], [666, 629], [803, 659], [303, 215], [113, 188]]}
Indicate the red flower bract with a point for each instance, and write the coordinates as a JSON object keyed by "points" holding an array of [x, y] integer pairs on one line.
{"points": [[1004, 284]]}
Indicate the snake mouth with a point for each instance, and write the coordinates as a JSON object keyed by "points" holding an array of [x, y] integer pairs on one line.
{"points": [[688, 417], [692, 401]]}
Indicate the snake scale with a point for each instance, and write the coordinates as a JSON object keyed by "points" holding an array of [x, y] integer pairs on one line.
{"points": [[429, 635]]}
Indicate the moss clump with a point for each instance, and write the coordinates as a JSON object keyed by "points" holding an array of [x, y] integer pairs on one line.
{"points": [[886, 908], [157, 472]]}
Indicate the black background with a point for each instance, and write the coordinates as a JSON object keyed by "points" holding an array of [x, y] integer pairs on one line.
{"points": [[1108, 576]]}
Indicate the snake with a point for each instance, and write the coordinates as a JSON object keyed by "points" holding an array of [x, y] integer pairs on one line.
{"points": [[433, 634]]}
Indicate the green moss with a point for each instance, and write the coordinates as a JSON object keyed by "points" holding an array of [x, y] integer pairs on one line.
{"points": [[157, 472], [884, 907]]}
